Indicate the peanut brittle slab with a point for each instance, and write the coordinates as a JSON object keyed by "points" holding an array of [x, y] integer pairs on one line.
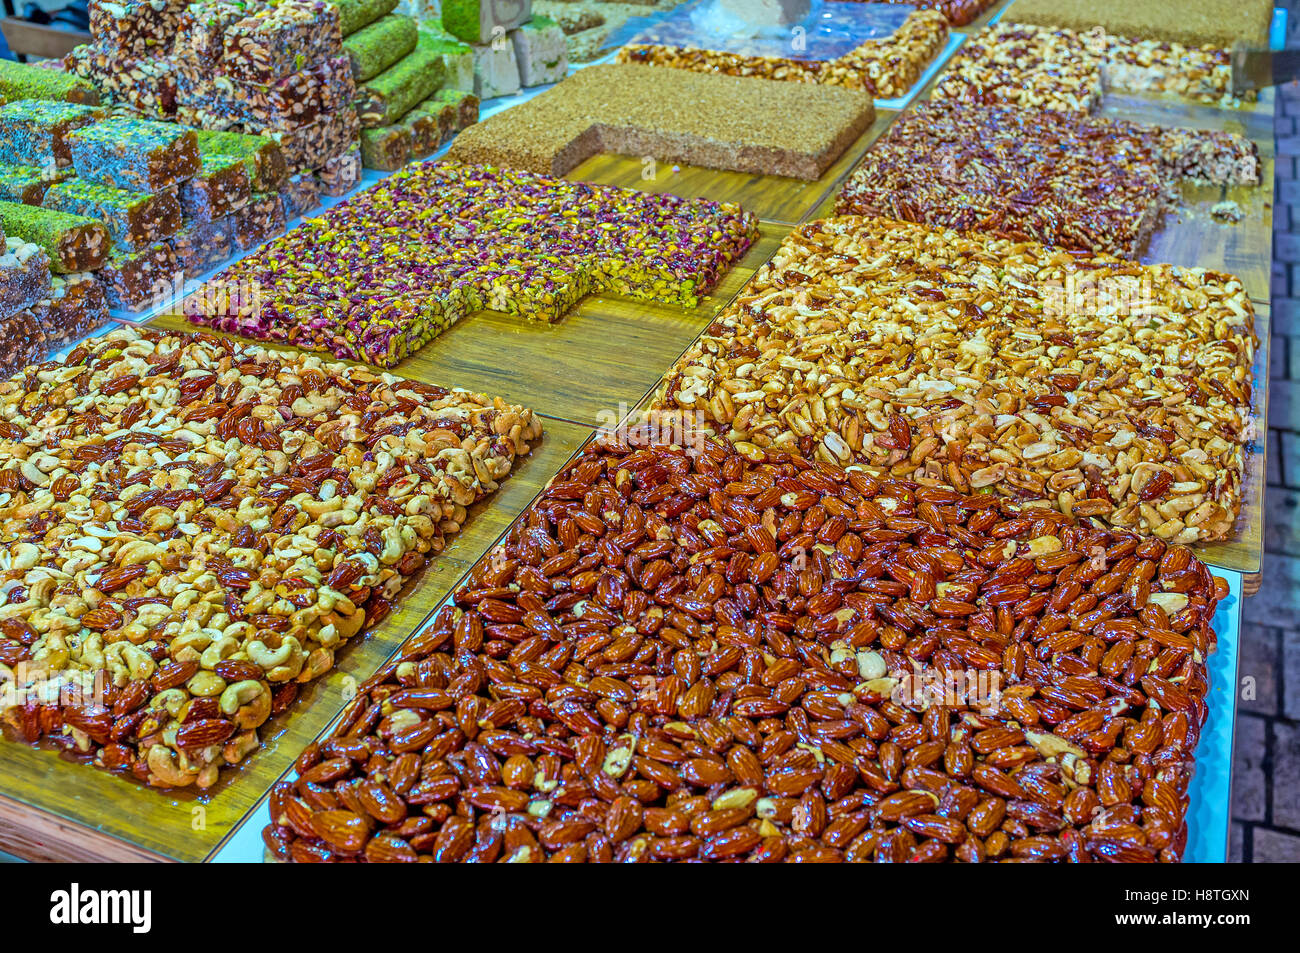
{"points": [[886, 67], [1044, 67]]}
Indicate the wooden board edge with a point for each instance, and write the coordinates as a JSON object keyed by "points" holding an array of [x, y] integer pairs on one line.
{"points": [[37, 835]]}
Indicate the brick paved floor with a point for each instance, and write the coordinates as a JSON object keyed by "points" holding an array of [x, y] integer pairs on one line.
{"points": [[1266, 769]]}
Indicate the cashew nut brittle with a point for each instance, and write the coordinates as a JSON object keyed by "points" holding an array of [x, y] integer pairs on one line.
{"points": [[192, 526], [1100, 387]]}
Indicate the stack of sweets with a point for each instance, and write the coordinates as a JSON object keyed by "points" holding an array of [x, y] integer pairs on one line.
{"points": [[128, 175], [294, 83], [24, 281], [412, 108], [534, 50], [253, 68], [127, 59]]}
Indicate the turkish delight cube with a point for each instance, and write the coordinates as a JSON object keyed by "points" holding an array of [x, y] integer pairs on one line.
{"points": [[541, 51], [135, 280], [134, 154], [134, 219], [221, 187], [201, 246], [262, 218], [33, 132]]}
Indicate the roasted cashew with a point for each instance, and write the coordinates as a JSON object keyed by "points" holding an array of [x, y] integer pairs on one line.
{"points": [[164, 770]]}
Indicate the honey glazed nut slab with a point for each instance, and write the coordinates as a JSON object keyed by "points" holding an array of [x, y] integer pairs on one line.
{"points": [[681, 655], [378, 276], [1099, 387], [193, 526], [673, 115], [1082, 182], [1025, 65], [886, 67]]}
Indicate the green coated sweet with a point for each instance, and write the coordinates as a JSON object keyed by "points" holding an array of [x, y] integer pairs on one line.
{"points": [[475, 21], [355, 14], [20, 81], [389, 96], [375, 48], [55, 232], [23, 183], [457, 57], [386, 148], [262, 155]]}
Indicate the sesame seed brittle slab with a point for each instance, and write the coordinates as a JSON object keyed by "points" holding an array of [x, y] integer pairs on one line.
{"points": [[194, 527], [1096, 386], [673, 115], [1018, 65]]}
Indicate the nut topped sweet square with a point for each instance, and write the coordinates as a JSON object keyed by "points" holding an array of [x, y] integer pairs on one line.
{"points": [[1048, 176], [192, 527], [1099, 387], [377, 276], [1084, 182], [1066, 69]]}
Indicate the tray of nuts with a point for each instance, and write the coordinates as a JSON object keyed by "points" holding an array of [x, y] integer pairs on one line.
{"points": [[195, 528], [680, 653], [1095, 386]]}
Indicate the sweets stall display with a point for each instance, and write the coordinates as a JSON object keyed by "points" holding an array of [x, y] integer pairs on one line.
{"points": [[791, 418]]}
